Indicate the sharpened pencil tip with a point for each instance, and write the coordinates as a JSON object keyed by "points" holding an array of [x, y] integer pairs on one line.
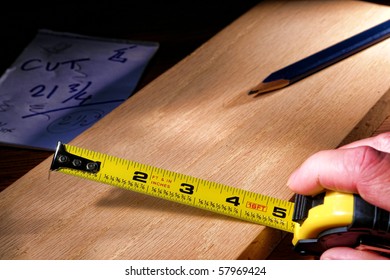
{"points": [[264, 87], [253, 92]]}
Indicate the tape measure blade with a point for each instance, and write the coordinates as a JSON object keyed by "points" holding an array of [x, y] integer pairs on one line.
{"points": [[185, 189]]}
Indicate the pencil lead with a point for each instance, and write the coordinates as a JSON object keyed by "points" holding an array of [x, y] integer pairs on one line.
{"points": [[253, 91], [264, 87]]}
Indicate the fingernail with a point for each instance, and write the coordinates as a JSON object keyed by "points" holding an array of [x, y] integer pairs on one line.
{"points": [[291, 179]]}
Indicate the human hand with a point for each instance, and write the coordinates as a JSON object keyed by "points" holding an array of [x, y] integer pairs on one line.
{"points": [[361, 167]]}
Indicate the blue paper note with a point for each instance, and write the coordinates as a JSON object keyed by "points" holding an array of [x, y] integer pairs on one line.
{"points": [[62, 83]]}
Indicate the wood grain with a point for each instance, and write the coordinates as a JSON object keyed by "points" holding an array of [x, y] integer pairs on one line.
{"points": [[197, 119]]}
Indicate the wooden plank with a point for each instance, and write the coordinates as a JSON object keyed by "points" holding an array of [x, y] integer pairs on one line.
{"points": [[376, 121], [197, 119]]}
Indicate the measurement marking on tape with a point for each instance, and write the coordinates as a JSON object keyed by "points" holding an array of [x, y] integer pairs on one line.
{"points": [[177, 187]]}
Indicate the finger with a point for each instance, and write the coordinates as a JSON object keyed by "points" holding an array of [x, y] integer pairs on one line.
{"points": [[344, 253], [380, 142], [326, 169], [362, 170]]}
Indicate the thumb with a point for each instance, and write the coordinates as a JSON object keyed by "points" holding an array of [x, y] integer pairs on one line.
{"points": [[363, 170]]}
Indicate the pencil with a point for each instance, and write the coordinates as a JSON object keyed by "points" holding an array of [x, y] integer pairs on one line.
{"points": [[315, 62]]}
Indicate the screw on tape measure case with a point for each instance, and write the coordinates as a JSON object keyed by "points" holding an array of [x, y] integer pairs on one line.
{"points": [[328, 220]]}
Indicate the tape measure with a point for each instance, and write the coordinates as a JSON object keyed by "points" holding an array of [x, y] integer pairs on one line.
{"points": [[318, 223], [165, 184]]}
